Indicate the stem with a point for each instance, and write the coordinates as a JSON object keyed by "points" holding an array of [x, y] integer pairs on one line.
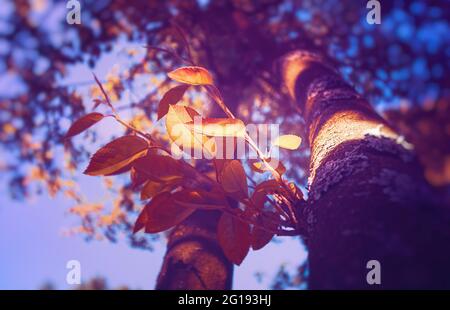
{"points": [[260, 154]]}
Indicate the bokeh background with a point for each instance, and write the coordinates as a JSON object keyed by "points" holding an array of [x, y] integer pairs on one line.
{"points": [[51, 213]]}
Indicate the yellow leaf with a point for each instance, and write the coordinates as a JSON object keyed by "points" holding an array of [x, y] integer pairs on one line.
{"points": [[182, 134], [275, 164], [219, 127], [191, 75], [290, 142], [116, 155]]}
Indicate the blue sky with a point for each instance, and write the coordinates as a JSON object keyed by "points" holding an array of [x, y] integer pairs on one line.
{"points": [[35, 251]]}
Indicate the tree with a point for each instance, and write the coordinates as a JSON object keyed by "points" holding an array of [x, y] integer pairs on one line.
{"points": [[367, 197], [230, 38]]}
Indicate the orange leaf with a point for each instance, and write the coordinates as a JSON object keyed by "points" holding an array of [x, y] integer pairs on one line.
{"points": [[83, 123], [234, 237], [290, 142], [234, 179], [172, 96], [219, 127], [116, 155], [163, 213], [191, 75], [183, 136]]}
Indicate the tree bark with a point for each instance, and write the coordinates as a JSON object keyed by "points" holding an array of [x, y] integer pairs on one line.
{"points": [[194, 260], [367, 199]]}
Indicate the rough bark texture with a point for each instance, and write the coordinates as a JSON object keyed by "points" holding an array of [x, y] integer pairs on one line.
{"points": [[194, 259], [368, 199]]}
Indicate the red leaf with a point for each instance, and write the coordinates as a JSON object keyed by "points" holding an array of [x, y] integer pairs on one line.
{"points": [[83, 123], [159, 167], [234, 179], [234, 237], [172, 96], [200, 199], [141, 220], [116, 155], [163, 213], [260, 238]]}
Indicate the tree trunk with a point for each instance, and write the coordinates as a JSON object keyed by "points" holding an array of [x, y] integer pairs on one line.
{"points": [[368, 199], [194, 260]]}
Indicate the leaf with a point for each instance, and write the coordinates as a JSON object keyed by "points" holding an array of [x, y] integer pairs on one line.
{"points": [[116, 155], [268, 187], [153, 188], [260, 238], [290, 142], [172, 96], [261, 167], [200, 199], [191, 75], [182, 135], [163, 213], [141, 220], [159, 168], [137, 178], [219, 127], [218, 165], [234, 237], [83, 123], [120, 171], [234, 179]]}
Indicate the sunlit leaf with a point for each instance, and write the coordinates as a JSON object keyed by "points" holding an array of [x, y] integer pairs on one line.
{"points": [[219, 127], [116, 155], [234, 179], [290, 142], [191, 75], [275, 164], [234, 237], [172, 96], [83, 123], [182, 134]]}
